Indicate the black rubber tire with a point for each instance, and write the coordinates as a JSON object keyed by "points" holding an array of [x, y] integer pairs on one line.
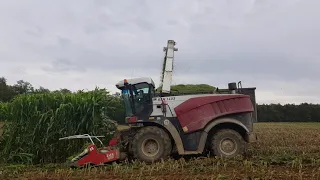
{"points": [[151, 133], [234, 136]]}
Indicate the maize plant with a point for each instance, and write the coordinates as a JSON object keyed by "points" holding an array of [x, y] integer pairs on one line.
{"points": [[37, 121], [3, 111]]}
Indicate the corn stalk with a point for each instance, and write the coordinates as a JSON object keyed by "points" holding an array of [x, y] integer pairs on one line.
{"points": [[3, 111], [39, 120]]}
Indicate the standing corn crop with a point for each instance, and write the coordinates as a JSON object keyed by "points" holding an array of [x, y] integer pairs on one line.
{"points": [[37, 121], [3, 111]]}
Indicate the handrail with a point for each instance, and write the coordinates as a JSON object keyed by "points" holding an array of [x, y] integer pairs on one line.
{"points": [[83, 136]]}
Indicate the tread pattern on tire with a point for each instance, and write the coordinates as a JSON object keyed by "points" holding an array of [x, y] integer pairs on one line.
{"points": [[223, 132], [157, 131]]}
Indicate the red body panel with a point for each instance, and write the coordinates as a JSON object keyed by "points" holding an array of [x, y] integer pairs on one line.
{"points": [[195, 113], [96, 157], [113, 142]]}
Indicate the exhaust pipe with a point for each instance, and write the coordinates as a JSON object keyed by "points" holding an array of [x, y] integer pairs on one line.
{"points": [[232, 87]]}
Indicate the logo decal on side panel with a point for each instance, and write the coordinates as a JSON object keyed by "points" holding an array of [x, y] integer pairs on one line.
{"points": [[164, 99]]}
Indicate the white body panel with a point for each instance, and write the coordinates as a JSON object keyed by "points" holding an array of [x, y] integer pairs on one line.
{"points": [[173, 101]]}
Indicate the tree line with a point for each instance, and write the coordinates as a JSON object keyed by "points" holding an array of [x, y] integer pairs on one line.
{"points": [[8, 92], [304, 112]]}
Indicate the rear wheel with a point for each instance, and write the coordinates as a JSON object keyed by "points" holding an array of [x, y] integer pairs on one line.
{"points": [[151, 144], [227, 143]]}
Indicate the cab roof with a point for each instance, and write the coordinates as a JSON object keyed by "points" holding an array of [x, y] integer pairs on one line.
{"points": [[133, 81]]}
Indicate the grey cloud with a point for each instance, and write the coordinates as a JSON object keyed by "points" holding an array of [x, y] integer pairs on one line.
{"points": [[277, 66], [172, 22], [63, 65], [63, 42], [36, 31], [144, 24], [265, 43], [95, 29], [91, 60], [103, 3]]}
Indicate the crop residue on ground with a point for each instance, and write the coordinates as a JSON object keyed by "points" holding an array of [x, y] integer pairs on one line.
{"points": [[283, 151]]}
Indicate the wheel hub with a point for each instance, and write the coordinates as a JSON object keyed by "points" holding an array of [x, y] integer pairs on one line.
{"points": [[150, 147], [228, 146]]}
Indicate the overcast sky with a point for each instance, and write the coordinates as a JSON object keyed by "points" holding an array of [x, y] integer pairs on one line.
{"points": [[273, 45]]}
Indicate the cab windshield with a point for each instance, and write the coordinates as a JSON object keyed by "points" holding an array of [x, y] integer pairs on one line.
{"points": [[137, 98], [127, 102]]}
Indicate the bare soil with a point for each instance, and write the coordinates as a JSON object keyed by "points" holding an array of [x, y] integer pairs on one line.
{"points": [[209, 172]]}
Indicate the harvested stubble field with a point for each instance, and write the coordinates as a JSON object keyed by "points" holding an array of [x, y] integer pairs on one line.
{"points": [[283, 151]]}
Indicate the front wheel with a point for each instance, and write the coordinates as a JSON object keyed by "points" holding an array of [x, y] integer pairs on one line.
{"points": [[151, 144], [227, 143]]}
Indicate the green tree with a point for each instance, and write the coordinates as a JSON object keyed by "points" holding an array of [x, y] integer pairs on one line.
{"points": [[41, 90], [63, 91], [6, 91], [3, 89], [22, 87]]}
